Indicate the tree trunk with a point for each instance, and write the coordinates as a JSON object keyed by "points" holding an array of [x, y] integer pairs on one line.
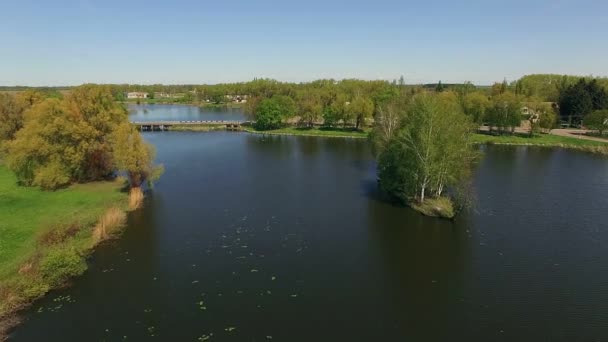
{"points": [[422, 190]]}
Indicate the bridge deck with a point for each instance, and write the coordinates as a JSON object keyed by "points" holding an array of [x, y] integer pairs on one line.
{"points": [[188, 122]]}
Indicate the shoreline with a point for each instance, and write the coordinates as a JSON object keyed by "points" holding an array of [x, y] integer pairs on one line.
{"points": [[544, 140], [57, 252]]}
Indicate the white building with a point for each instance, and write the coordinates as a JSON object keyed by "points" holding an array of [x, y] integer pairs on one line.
{"points": [[137, 95]]}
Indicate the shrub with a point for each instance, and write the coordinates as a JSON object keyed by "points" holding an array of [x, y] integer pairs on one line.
{"points": [[109, 224], [60, 264], [58, 235]]}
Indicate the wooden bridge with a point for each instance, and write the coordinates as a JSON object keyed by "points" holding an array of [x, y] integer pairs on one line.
{"points": [[166, 125]]}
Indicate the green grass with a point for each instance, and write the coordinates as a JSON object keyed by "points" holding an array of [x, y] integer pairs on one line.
{"points": [[539, 140], [45, 237], [197, 128], [26, 213], [315, 132]]}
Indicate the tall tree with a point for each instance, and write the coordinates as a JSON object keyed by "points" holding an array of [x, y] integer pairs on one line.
{"points": [[67, 140], [361, 109], [575, 101], [134, 156], [505, 112], [597, 120], [270, 113], [310, 107], [431, 151]]}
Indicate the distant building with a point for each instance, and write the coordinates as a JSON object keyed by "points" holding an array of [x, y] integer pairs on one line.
{"points": [[137, 95], [237, 98]]}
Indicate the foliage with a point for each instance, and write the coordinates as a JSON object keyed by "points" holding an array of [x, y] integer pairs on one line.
{"points": [[134, 156], [310, 107], [597, 120], [361, 108], [475, 104], [541, 116], [34, 222], [12, 109], [60, 264], [269, 113], [74, 140], [430, 152], [504, 112], [581, 98], [389, 119]]}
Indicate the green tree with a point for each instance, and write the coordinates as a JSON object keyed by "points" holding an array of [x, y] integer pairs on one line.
{"points": [[269, 113], [597, 120], [334, 111], [310, 107], [67, 140], [598, 94], [51, 149], [541, 115], [431, 151], [134, 156], [475, 105], [361, 109], [389, 119], [575, 102], [12, 109], [504, 112]]}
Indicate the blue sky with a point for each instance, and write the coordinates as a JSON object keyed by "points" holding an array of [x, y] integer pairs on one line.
{"points": [[175, 42]]}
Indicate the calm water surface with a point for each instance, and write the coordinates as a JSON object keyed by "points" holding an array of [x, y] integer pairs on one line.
{"points": [[254, 238], [159, 112]]}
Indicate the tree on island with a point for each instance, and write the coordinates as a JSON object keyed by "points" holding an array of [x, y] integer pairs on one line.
{"points": [[430, 152]]}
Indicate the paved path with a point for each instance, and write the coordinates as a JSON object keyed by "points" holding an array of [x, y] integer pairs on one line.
{"points": [[576, 133], [563, 132]]}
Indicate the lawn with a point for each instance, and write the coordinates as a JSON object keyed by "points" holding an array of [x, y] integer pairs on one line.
{"points": [[539, 139], [316, 132], [26, 213]]}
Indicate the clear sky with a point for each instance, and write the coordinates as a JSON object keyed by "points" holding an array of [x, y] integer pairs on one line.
{"points": [[174, 42]]}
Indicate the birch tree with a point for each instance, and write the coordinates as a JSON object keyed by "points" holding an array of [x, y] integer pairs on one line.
{"points": [[430, 152]]}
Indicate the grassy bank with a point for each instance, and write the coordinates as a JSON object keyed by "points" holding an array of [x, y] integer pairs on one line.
{"points": [[536, 140], [198, 128], [45, 236], [314, 132], [435, 207]]}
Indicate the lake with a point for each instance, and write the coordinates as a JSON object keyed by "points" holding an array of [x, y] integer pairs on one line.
{"points": [[256, 238], [159, 112]]}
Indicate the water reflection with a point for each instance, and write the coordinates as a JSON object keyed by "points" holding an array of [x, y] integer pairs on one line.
{"points": [[289, 237]]}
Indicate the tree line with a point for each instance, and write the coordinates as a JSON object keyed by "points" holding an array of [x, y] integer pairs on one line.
{"points": [[85, 136]]}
